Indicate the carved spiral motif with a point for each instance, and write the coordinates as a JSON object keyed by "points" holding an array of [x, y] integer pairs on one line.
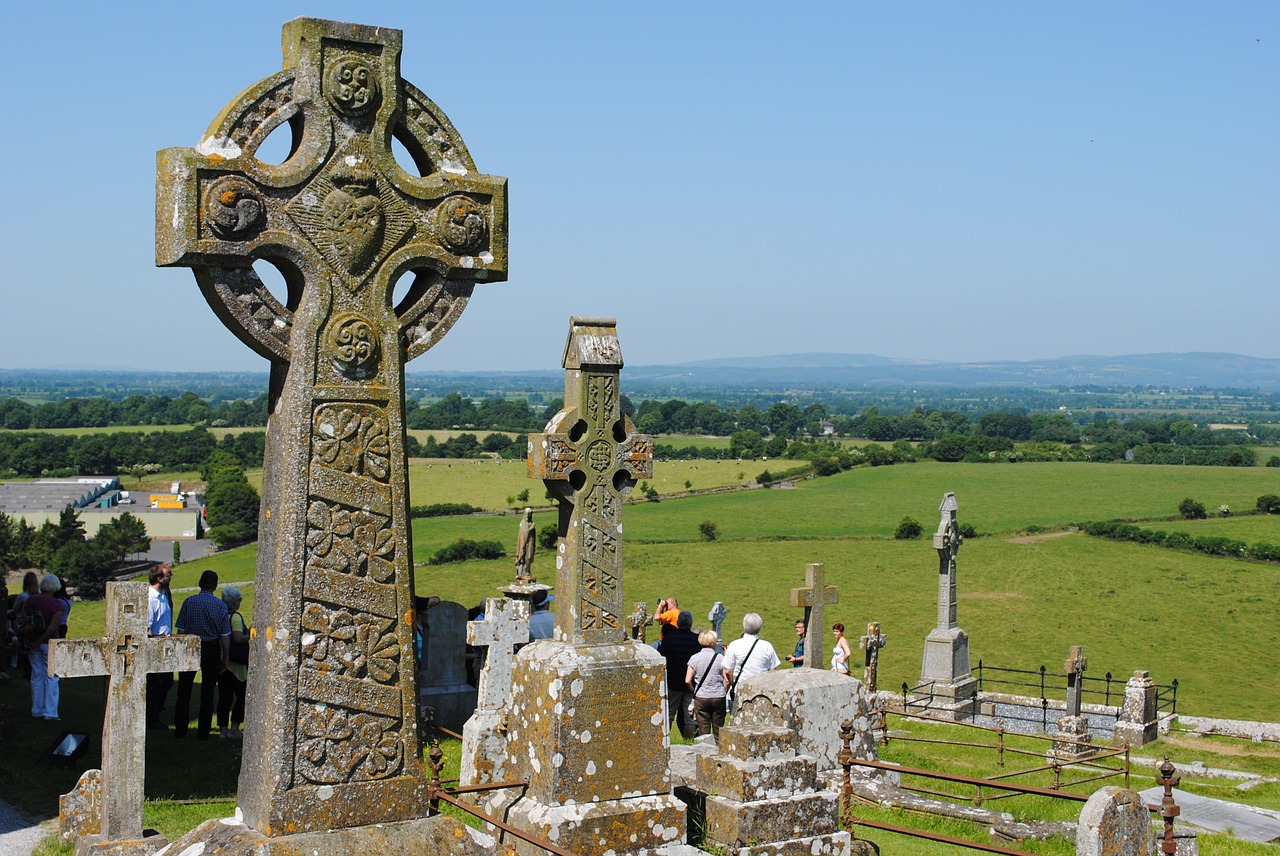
{"points": [[600, 456], [464, 229], [351, 86], [353, 344], [233, 210]]}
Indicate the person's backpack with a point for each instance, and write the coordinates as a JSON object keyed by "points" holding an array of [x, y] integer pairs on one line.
{"points": [[29, 624]]}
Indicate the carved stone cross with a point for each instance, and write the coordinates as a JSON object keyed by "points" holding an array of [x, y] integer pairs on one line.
{"points": [[947, 542], [815, 595], [331, 735], [590, 457], [505, 625], [716, 616], [125, 654], [872, 643], [640, 619], [1074, 667]]}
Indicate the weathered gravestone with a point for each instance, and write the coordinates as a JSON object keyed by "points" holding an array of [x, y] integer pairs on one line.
{"points": [[484, 738], [815, 595], [640, 621], [331, 737], [444, 667], [1072, 740], [588, 715], [1115, 822], [871, 644], [945, 675], [126, 655], [1138, 724]]}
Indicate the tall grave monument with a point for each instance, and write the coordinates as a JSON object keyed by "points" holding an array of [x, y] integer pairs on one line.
{"points": [[945, 675], [588, 718], [331, 738]]}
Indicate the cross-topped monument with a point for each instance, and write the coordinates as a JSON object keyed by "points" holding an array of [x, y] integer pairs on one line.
{"points": [[1073, 740], [716, 616], [331, 736], [871, 644], [814, 596], [126, 655], [945, 675], [590, 457], [598, 770]]}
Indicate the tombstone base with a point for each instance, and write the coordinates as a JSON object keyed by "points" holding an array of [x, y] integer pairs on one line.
{"points": [[1072, 740], [616, 826], [1134, 734], [427, 836], [452, 706], [80, 809], [484, 751], [954, 701], [96, 845]]}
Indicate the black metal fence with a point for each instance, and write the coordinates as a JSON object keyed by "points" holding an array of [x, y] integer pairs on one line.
{"points": [[1045, 685]]}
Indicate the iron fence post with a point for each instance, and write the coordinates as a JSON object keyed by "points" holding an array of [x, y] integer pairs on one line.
{"points": [[1042, 698], [1108, 699], [1175, 697], [979, 674], [1168, 808]]}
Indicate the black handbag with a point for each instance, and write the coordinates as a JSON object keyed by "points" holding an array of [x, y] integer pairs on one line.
{"points": [[239, 650]]}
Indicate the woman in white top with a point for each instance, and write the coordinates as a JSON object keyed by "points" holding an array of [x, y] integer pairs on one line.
{"points": [[840, 653]]}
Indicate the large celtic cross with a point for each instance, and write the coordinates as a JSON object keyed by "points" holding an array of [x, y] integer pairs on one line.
{"points": [[331, 736], [947, 542], [590, 457]]}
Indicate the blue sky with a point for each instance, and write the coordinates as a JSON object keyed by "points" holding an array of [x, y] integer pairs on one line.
{"points": [[950, 181]]}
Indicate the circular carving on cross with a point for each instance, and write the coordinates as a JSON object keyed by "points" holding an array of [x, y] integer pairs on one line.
{"points": [[353, 344], [463, 227], [600, 456], [232, 209], [351, 86]]}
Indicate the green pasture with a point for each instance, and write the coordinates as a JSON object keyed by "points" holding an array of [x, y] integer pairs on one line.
{"points": [[1251, 528]]}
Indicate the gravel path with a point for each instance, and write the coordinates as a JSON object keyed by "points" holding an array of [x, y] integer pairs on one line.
{"points": [[18, 835]]}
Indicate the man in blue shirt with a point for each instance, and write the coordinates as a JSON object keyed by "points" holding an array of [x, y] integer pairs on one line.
{"points": [[205, 615], [159, 623]]}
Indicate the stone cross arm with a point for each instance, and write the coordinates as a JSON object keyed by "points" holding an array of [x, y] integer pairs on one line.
{"points": [[505, 625]]}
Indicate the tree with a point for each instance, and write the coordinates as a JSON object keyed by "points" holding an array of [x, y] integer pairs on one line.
{"points": [[1191, 510], [1269, 503], [122, 536], [548, 535], [231, 501], [82, 566], [908, 529], [708, 530]]}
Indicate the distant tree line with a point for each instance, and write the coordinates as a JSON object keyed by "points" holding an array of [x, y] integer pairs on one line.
{"points": [[186, 409], [126, 452]]}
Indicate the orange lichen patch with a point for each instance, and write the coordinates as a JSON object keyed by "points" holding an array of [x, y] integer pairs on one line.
{"points": [[214, 157], [228, 197], [253, 633], [408, 617], [271, 633]]}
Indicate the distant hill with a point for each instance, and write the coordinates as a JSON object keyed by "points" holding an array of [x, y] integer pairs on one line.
{"points": [[1214, 370]]}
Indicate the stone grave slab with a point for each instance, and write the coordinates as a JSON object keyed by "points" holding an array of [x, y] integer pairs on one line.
{"points": [[1216, 815], [1115, 822], [444, 669]]}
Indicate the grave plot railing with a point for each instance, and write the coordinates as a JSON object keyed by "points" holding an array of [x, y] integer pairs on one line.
{"points": [[1055, 765], [1107, 690], [1167, 698], [438, 793]]}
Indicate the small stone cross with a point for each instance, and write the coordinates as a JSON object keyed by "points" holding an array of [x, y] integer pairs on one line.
{"points": [[505, 626], [640, 619], [590, 457], [716, 616], [1074, 667], [947, 542], [125, 654], [813, 597], [872, 643]]}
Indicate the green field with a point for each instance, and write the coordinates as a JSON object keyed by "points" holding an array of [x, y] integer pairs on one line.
{"points": [[1209, 622]]}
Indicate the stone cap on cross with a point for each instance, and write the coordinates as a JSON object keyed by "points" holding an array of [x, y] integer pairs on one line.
{"points": [[125, 655], [1076, 662], [947, 538], [505, 625]]}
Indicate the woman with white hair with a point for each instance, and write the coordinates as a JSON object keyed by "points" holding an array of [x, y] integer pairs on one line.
{"points": [[232, 681], [749, 654], [44, 686]]}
